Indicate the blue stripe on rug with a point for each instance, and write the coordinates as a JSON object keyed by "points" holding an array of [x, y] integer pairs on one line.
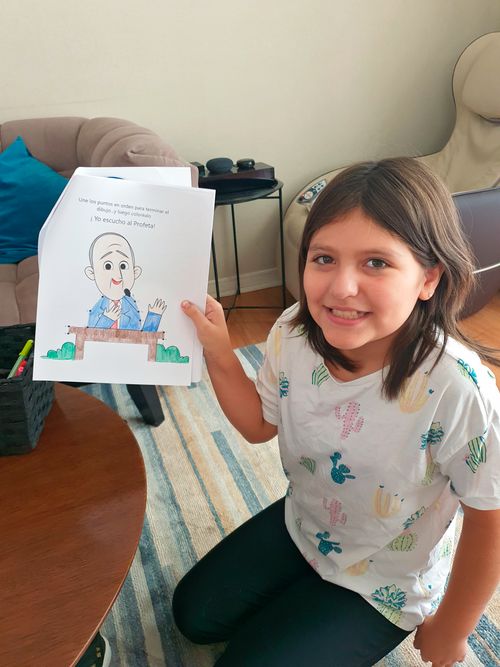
{"points": [[481, 652], [160, 590], [391, 660], [253, 355], [159, 479], [242, 482], [130, 623], [109, 396], [193, 464], [489, 633]]}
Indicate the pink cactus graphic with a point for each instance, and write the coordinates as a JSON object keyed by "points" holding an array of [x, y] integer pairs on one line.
{"points": [[350, 419], [335, 509]]}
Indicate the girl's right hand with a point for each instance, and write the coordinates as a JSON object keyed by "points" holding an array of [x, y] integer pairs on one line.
{"points": [[211, 327]]}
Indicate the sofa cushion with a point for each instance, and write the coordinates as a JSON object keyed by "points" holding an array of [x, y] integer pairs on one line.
{"points": [[50, 140], [18, 292], [28, 191], [112, 142]]}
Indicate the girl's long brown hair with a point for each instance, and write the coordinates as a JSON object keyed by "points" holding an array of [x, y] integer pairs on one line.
{"points": [[404, 197]]}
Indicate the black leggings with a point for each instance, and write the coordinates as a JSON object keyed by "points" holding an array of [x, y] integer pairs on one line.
{"points": [[256, 590]]}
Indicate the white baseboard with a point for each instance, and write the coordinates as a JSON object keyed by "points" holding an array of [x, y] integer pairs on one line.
{"points": [[249, 282]]}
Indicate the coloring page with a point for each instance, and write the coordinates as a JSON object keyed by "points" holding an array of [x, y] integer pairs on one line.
{"points": [[117, 258]]}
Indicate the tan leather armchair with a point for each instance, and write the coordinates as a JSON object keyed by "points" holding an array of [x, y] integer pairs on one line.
{"points": [[470, 161]]}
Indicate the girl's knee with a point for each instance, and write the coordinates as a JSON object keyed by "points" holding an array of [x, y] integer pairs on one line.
{"points": [[190, 615], [184, 612]]}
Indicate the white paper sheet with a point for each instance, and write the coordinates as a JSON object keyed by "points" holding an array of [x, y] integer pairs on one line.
{"points": [[160, 236]]}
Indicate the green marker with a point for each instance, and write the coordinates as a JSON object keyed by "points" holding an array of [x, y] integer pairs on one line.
{"points": [[22, 355]]}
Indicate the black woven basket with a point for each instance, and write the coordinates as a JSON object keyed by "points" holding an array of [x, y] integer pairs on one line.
{"points": [[24, 404]]}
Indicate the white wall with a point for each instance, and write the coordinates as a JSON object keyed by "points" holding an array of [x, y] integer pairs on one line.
{"points": [[303, 85]]}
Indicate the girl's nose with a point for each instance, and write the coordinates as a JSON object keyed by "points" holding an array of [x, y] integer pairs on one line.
{"points": [[344, 283]]}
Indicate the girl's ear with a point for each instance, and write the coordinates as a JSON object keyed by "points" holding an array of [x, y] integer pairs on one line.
{"points": [[432, 278]]}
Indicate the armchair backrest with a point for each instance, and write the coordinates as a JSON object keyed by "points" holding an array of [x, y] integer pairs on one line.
{"points": [[471, 158], [67, 142]]}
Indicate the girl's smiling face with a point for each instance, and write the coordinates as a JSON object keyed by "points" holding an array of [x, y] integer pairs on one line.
{"points": [[361, 284]]}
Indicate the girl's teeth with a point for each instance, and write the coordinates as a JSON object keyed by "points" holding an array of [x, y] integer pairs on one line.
{"points": [[347, 314]]}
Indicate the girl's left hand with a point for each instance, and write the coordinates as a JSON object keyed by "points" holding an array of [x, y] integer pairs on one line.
{"points": [[437, 645]]}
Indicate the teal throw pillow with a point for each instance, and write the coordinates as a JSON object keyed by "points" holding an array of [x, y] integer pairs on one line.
{"points": [[28, 191]]}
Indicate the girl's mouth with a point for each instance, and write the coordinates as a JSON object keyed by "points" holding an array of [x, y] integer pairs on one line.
{"points": [[347, 314]]}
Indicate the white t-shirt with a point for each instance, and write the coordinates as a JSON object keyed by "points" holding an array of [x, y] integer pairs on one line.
{"points": [[374, 485]]}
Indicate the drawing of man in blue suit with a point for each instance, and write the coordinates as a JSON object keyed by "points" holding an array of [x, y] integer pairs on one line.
{"points": [[113, 268]]}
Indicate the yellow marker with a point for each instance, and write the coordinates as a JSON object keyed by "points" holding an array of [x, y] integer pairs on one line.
{"points": [[22, 355]]}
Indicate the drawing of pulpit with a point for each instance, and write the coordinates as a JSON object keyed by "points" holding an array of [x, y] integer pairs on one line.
{"points": [[96, 334]]}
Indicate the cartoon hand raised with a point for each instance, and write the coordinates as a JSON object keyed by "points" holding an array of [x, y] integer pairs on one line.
{"points": [[114, 310], [159, 306]]}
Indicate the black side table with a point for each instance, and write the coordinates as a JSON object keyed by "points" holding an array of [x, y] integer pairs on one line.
{"points": [[233, 198]]}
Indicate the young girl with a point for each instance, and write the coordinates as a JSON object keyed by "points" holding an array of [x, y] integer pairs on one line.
{"points": [[387, 422]]}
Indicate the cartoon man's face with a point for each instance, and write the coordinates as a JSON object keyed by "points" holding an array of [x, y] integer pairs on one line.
{"points": [[112, 266]]}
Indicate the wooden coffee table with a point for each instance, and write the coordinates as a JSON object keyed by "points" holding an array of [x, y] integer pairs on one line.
{"points": [[71, 515]]}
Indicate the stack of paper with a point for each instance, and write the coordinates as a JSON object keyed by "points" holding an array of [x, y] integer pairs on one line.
{"points": [[120, 250]]}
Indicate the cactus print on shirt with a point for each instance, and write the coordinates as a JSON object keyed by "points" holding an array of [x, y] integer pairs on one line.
{"points": [[375, 484]]}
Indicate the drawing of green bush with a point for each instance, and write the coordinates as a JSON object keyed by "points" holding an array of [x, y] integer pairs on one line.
{"points": [[170, 354], [65, 353]]}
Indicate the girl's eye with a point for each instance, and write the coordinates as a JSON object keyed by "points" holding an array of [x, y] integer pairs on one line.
{"points": [[322, 259], [375, 263], [108, 266]]}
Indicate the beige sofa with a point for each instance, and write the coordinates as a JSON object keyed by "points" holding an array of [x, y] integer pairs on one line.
{"points": [[65, 143], [470, 161]]}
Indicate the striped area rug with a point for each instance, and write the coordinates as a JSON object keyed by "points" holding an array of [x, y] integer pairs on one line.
{"points": [[204, 480]]}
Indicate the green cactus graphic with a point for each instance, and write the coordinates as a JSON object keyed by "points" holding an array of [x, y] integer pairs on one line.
{"points": [[309, 464], [432, 437], [391, 596], [446, 548], [403, 542], [392, 615], [477, 449], [326, 545], [284, 385], [467, 371], [319, 375], [429, 473], [390, 600], [411, 520]]}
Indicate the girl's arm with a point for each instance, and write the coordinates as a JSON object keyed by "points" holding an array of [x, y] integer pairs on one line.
{"points": [[442, 638], [235, 391]]}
